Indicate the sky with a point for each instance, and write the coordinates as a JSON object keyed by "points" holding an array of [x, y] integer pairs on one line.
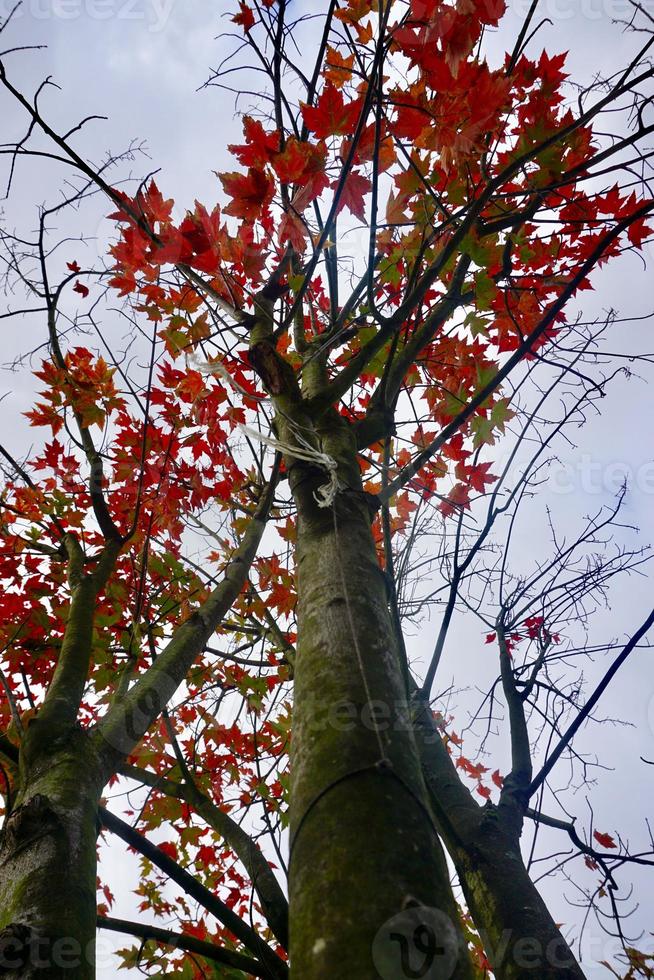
{"points": [[142, 63]]}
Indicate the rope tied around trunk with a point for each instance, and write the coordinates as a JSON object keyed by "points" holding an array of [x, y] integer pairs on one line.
{"points": [[324, 495]]}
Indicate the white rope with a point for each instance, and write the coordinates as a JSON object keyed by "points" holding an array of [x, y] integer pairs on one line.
{"points": [[325, 495], [217, 367]]}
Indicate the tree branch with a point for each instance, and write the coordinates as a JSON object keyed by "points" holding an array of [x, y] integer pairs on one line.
{"points": [[572, 730], [128, 720], [272, 898], [142, 930], [516, 358], [274, 967]]}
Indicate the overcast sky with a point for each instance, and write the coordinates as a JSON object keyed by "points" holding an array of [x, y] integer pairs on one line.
{"points": [[140, 62]]}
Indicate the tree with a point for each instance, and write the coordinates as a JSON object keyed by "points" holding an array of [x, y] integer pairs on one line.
{"points": [[167, 586]]}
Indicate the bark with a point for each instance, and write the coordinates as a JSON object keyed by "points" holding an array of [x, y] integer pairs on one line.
{"points": [[520, 937], [363, 845], [48, 859], [48, 841]]}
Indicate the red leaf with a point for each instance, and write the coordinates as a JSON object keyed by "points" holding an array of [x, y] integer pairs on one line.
{"points": [[479, 476], [291, 164], [80, 288], [155, 206], [251, 193], [497, 779], [331, 116], [73, 266], [637, 232], [207, 855], [124, 284], [260, 146], [457, 499], [604, 840], [245, 17], [352, 194], [490, 12], [293, 230]]}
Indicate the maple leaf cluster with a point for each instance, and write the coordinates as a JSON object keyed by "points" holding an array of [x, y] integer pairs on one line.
{"points": [[453, 134]]}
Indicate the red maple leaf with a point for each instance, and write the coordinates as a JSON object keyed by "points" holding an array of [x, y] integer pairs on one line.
{"points": [[245, 17], [331, 116], [352, 194], [80, 288], [291, 164], [251, 193], [155, 206], [479, 476], [260, 145], [604, 840], [637, 232], [457, 499]]}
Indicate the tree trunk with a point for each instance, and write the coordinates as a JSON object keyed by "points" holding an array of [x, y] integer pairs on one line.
{"points": [[369, 890], [48, 859], [520, 937]]}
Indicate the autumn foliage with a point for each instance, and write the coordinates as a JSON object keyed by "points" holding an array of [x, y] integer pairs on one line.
{"points": [[412, 222]]}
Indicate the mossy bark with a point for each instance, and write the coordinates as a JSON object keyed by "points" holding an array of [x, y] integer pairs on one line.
{"points": [[520, 937], [363, 845], [48, 859]]}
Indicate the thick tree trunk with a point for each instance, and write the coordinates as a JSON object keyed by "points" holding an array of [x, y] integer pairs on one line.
{"points": [[48, 859], [369, 891], [520, 937]]}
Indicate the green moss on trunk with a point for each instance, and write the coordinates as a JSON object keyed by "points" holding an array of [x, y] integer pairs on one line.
{"points": [[520, 937], [363, 845], [48, 861]]}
